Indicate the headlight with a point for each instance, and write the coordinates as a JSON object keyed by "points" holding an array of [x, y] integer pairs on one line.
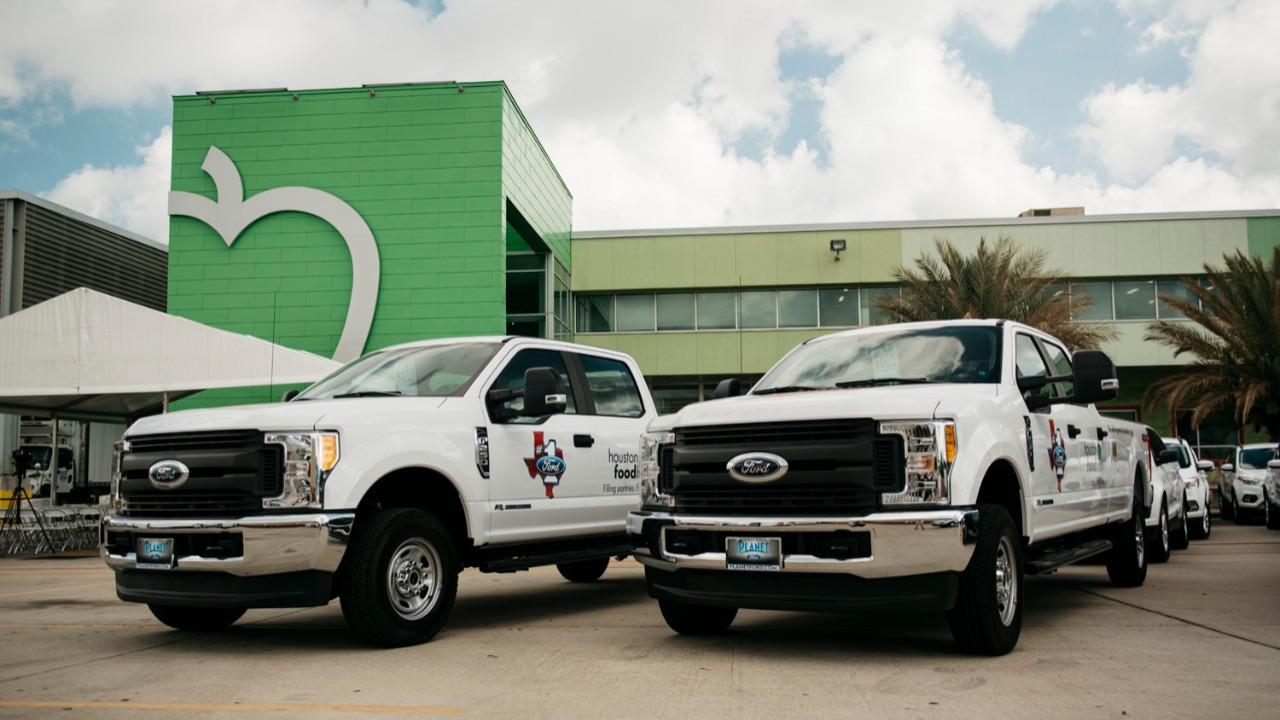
{"points": [[309, 459], [117, 452], [930, 449], [1249, 480], [651, 445]]}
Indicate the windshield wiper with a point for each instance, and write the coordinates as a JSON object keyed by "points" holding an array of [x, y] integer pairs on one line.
{"points": [[787, 388], [369, 393], [884, 381]]}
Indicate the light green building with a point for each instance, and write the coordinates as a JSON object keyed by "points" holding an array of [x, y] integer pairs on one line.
{"points": [[456, 222]]}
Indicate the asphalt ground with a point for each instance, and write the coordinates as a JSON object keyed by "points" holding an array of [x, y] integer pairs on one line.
{"points": [[1200, 640]]}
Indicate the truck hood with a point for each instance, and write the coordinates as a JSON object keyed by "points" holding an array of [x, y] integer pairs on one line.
{"points": [[887, 403], [296, 415]]}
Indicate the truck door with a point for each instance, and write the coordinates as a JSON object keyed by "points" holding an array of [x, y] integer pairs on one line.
{"points": [[542, 478], [1068, 485], [618, 419]]}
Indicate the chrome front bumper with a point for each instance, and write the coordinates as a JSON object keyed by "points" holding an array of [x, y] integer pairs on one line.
{"points": [[902, 543], [272, 545]]}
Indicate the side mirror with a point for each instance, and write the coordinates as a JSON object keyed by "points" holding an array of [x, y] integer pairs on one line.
{"points": [[543, 393], [1273, 464], [1168, 455], [1206, 465], [1095, 377], [1228, 467], [289, 395], [731, 387]]}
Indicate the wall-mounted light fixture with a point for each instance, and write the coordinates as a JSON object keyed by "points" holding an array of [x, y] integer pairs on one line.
{"points": [[295, 96], [837, 247]]}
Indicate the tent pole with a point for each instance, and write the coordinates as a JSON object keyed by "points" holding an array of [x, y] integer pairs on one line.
{"points": [[54, 457], [164, 402]]}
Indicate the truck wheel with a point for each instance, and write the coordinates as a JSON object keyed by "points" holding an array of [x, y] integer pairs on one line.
{"points": [[401, 578], [1127, 560], [1158, 537], [1200, 529], [196, 618], [1270, 513], [697, 619], [987, 617], [583, 571]]}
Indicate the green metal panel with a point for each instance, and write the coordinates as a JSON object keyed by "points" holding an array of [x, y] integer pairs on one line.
{"points": [[1264, 234], [532, 183]]}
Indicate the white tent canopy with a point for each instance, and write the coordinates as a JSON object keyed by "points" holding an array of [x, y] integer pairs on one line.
{"points": [[93, 356]]}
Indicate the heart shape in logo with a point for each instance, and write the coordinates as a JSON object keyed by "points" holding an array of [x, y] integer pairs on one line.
{"points": [[232, 213]]}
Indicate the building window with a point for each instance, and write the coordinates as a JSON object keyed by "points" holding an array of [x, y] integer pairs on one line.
{"points": [[1135, 299], [676, 311], [1175, 288], [1099, 292], [872, 314], [838, 307], [595, 313], [1130, 414], [671, 398], [797, 308], [757, 310], [635, 313], [716, 311]]}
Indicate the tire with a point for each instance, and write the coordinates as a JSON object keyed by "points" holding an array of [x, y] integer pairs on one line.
{"points": [[987, 617], [196, 618], [697, 619], [1158, 537], [1201, 528], [1178, 538], [1270, 513], [1127, 560], [583, 571], [401, 578], [1225, 506]]}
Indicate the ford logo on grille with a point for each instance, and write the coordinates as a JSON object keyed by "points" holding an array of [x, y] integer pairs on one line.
{"points": [[757, 467], [168, 474]]}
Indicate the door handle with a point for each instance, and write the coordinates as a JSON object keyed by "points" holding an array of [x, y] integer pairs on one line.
{"points": [[583, 441], [1102, 434], [1072, 431]]}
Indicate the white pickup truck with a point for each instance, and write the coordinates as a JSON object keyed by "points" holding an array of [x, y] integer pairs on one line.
{"points": [[923, 466], [379, 483]]}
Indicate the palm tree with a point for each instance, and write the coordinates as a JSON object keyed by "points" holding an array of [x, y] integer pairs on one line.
{"points": [[996, 282], [1234, 343]]}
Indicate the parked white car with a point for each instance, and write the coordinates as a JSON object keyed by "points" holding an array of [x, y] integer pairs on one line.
{"points": [[1242, 480], [1196, 484], [1271, 496], [1167, 520]]}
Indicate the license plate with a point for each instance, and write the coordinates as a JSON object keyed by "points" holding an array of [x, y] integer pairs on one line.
{"points": [[753, 553], [155, 553]]}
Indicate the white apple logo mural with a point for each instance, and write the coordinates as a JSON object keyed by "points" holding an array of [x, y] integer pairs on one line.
{"points": [[232, 213]]}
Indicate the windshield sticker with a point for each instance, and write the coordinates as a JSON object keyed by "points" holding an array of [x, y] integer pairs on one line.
{"points": [[547, 463], [884, 362]]}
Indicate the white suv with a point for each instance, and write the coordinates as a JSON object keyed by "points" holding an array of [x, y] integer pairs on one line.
{"points": [[1192, 470], [1242, 481], [1167, 521]]}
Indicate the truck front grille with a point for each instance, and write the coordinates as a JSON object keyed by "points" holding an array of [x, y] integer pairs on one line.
{"points": [[835, 467], [230, 473]]}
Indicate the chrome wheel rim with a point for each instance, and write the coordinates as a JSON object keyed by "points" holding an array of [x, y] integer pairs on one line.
{"points": [[1164, 530], [1006, 582], [1139, 540], [413, 579]]}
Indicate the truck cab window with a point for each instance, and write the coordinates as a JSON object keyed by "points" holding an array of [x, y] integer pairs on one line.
{"points": [[512, 378], [613, 389]]}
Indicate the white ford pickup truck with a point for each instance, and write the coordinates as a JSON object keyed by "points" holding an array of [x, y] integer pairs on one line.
{"points": [[379, 483], [923, 466]]}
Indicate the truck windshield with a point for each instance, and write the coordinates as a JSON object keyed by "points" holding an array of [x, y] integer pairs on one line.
{"points": [[428, 371], [956, 354]]}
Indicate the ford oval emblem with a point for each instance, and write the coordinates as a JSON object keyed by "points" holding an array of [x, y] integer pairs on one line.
{"points": [[168, 474], [757, 467], [550, 465]]}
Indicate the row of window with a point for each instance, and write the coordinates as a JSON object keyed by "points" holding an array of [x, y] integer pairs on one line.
{"points": [[1136, 299]]}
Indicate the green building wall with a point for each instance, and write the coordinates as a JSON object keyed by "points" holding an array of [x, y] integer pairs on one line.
{"points": [[432, 170]]}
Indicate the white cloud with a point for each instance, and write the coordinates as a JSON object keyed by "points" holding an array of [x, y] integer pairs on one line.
{"points": [[135, 197], [639, 105]]}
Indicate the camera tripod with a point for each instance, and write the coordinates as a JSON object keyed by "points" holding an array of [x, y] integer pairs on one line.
{"points": [[12, 521]]}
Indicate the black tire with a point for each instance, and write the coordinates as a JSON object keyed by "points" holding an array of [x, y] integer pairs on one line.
{"points": [[583, 571], [401, 578], [1202, 526], [987, 617], [697, 619], [1158, 539], [1270, 513], [1225, 506], [1127, 559], [1178, 539], [196, 618]]}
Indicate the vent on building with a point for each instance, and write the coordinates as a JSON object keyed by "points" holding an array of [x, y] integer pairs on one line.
{"points": [[1046, 212]]}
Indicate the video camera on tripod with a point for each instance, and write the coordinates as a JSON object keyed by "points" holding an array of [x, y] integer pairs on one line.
{"points": [[22, 463]]}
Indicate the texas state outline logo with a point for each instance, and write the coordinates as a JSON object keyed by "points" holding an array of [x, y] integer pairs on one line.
{"points": [[547, 463]]}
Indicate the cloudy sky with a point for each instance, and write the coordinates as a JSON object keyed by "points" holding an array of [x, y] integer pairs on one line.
{"points": [[699, 112]]}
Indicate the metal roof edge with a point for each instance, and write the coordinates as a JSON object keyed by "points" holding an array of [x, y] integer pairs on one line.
{"points": [[81, 217], [923, 224]]}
